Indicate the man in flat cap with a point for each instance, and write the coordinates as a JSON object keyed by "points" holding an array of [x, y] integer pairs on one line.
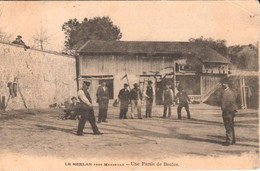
{"points": [[149, 99], [102, 99], [124, 96], [136, 98], [228, 107], [85, 109]]}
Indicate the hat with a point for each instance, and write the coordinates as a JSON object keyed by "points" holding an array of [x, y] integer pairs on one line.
{"points": [[19, 36], [136, 85], [225, 81], [179, 88], [150, 82], [87, 83], [126, 85], [73, 98]]}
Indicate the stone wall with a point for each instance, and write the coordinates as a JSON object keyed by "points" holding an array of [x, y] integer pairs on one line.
{"points": [[44, 77]]}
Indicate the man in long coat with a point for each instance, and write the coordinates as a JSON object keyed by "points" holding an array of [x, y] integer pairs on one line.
{"points": [[102, 99], [149, 99], [124, 96], [228, 107]]}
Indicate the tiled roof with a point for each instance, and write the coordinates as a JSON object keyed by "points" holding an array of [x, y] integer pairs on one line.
{"points": [[206, 54]]}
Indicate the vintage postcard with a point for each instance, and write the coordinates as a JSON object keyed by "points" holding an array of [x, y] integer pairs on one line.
{"points": [[129, 85]]}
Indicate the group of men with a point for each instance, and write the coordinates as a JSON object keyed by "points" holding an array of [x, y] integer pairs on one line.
{"points": [[134, 97]]}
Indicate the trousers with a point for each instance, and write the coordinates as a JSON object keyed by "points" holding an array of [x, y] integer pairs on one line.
{"points": [[228, 118], [186, 106], [87, 115], [149, 104], [136, 104], [102, 114], [122, 114], [165, 107]]}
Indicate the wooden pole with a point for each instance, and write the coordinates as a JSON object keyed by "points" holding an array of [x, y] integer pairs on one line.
{"points": [[19, 90]]}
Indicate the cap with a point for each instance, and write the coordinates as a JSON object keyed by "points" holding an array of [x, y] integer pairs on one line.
{"points": [[136, 85], [150, 82], [179, 88], [87, 83], [126, 85]]}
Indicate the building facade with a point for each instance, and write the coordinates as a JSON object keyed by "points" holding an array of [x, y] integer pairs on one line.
{"points": [[198, 69]]}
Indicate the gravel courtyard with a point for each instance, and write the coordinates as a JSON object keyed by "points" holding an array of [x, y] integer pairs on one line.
{"points": [[42, 133]]}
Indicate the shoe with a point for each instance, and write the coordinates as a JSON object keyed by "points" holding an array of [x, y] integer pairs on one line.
{"points": [[79, 134], [98, 133], [226, 144], [164, 117], [104, 121], [98, 121]]}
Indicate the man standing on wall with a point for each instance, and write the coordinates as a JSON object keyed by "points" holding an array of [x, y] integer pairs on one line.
{"points": [[102, 99], [124, 96], [149, 99], [228, 107], [136, 97], [85, 109]]}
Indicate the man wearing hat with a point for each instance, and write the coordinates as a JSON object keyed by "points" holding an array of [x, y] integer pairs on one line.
{"points": [[228, 107], [85, 109], [19, 41], [102, 99], [168, 98], [124, 96], [183, 99], [149, 99], [136, 97]]}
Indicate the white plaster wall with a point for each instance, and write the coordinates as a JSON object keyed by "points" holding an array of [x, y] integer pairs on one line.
{"points": [[44, 78]]}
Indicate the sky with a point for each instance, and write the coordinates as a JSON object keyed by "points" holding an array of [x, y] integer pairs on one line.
{"points": [[234, 21]]}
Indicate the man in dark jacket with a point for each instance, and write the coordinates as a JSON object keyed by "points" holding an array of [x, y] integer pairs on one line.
{"points": [[124, 96], [149, 99], [136, 98], [86, 110], [102, 99], [183, 99], [228, 107]]}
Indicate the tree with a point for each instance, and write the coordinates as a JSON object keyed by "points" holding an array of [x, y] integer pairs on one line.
{"points": [[41, 39], [77, 33], [217, 45], [244, 57]]}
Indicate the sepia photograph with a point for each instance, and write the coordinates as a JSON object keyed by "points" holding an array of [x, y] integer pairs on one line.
{"points": [[129, 85]]}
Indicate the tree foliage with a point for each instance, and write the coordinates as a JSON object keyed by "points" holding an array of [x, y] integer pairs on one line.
{"points": [[218, 45], [243, 57], [99, 28]]}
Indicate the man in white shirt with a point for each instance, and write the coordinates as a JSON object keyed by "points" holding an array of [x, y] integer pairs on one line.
{"points": [[86, 110]]}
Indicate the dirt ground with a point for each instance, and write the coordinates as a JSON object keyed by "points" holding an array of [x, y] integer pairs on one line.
{"points": [[43, 133]]}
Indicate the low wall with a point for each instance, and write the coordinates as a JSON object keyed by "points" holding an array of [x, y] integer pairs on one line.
{"points": [[45, 78]]}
